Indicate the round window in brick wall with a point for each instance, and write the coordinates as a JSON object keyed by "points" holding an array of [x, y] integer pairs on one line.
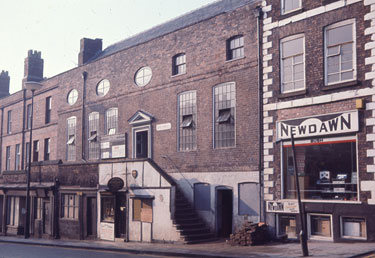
{"points": [[143, 76], [72, 97], [102, 88]]}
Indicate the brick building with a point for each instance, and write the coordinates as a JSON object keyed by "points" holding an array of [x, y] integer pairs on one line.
{"points": [[154, 138], [318, 84]]}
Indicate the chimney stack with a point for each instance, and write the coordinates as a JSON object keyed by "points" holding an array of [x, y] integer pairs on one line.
{"points": [[4, 84], [89, 48], [33, 67]]}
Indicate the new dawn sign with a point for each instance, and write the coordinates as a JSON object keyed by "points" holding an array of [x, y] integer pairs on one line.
{"points": [[338, 123]]}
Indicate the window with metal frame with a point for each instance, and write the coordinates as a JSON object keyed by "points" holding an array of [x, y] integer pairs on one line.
{"points": [[48, 110], [340, 52], [235, 47], [292, 63], [9, 125], [8, 158], [111, 121], [187, 108], [224, 115], [70, 206], [179, 64], [47, 150], [71, 137], [94, 148], [288, 6], [18, 158]]}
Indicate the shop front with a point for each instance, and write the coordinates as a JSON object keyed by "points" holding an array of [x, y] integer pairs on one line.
{"points": [[327, 152]]}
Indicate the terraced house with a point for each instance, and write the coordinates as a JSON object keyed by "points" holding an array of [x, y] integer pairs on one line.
{"points": [[154, 138]]}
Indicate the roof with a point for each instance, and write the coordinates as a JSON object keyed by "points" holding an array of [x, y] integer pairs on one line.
{"points": [[178, 23]]}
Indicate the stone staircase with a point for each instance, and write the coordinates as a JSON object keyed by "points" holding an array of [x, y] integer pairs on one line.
{"points": [[191, 227]]}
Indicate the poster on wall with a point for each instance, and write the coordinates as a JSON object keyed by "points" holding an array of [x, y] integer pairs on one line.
{"points": [[282, 206], [107, 231], [329, 124], [113, 146]]}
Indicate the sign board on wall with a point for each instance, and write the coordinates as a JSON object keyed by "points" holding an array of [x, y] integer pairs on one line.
{"points": [[107, 231], [113, 146], [283, 206], [163, 127], [329, 124]]}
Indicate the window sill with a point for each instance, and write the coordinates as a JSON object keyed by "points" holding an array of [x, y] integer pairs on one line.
{"points": [[291, 13], [235, 59], [177, 75], [325, 2], [340, 85], [292, 94]]}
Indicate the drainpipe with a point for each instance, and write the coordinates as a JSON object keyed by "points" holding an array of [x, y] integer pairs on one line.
{"points": [[23, 147], [84, 76], [258, 15]]}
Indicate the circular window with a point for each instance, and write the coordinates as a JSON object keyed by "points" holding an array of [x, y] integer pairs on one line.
{"points": [[143, 76], [72, 96], [102, 88]]}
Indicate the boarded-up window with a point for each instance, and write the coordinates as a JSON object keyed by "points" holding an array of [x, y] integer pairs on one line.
{"points": [[202, 196], [248, 195], [142, 210]]}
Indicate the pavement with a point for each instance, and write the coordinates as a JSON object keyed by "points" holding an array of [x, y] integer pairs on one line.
{"points": [[217, 249]]}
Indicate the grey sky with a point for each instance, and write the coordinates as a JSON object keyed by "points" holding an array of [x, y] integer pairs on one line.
{"points": [[55, 27]]}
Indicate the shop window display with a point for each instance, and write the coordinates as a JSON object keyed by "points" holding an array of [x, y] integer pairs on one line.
{"points": [[327, 169]]}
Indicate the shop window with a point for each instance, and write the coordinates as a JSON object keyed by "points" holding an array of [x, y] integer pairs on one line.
{"points": [[292, 63], [353, 228], [290, 6], [235, 47], [224, 115], [202, 196], [70, 206], [108, 209], [320, 226], [111, 121], [327, 169], [248, 195], [94, 148], [340, 52], [13, 211], [71, 137], [179, 64], [187, 107], [287, 226], [142, 210]]}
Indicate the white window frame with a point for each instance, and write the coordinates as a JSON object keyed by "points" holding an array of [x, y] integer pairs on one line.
{"points": [[102, 88], [294, 37], [113, 114], [332, 26], [309, 226], [293, 10], [139, 129], [342, 228], [140, 78], [70, 143], [72, 97]]}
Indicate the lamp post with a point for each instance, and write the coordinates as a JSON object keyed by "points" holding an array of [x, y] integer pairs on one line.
{"points": [[32, 86]]}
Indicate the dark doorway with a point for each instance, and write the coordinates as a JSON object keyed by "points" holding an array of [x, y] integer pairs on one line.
{"points": [[91, 216], [120, 216], [46, 217], [141, 144], [1, 213], [224, 200]]}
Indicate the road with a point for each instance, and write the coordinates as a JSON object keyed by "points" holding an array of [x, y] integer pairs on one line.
{"points": [[8, 250]]}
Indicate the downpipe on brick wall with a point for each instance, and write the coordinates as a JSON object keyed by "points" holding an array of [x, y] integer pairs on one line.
{"points": [[84, 77]]}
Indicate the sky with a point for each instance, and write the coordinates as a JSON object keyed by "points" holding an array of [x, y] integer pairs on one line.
{"points": [[55, 28]]}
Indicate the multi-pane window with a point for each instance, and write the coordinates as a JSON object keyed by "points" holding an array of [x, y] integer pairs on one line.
{"points": [[72, 97], [340, 63], [187, 107], [17, 157], [143, 76], [48, 109], [47, 148], [224, 115], [28, 116], [235, 47], [70, 206], [13, 211], [94, 148], [142, 210], [111, 121], [9, 126], [290, 5], [35, 150], [292, 63], [102, 88], [179, 64], [7, 163], [71, 138], [27, 151]]}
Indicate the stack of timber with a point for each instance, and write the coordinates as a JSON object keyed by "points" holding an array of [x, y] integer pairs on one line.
{"points": [[250, 234]]}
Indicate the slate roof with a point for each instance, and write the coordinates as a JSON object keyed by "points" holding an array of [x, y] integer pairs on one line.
{"points": [[178, 23]]}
